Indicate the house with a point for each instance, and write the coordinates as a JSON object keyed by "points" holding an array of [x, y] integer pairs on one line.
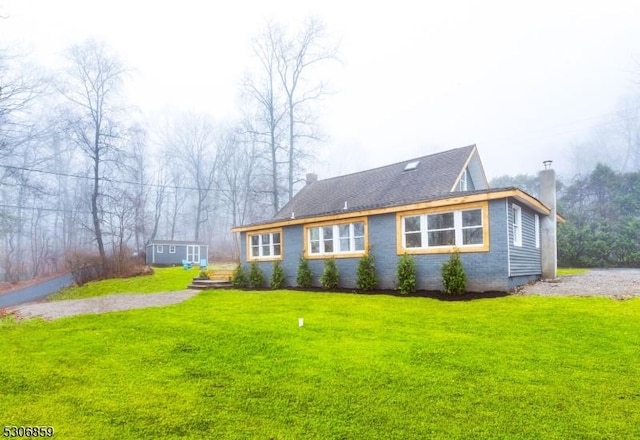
{"points": [[427, 207], [169, 253]]}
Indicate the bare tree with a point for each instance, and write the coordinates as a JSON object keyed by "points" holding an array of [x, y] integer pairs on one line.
{"points": [[94, 80], [190, 143], [283, 94], [296, 57], [264, 93]]}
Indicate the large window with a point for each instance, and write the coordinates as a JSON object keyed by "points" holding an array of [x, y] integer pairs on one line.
{"points": [[344, 238], [266, 245], [460, 228]]}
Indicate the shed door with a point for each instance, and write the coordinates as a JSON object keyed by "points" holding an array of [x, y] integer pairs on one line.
{"points": [[193, 253]]}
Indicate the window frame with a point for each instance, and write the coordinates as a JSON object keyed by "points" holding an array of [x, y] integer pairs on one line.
{"points": [[336, 239], [172, 248], [516, 225], [458, 229], [261, 245], [159, 249]]}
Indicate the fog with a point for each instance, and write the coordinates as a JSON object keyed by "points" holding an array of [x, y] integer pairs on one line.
{"points": [[525, 83]]}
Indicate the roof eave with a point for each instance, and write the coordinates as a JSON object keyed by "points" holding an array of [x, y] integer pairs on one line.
{"points": [[449, 200]]}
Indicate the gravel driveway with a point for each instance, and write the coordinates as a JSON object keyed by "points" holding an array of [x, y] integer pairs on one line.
{"points": [[100, 304], [615, 283]]}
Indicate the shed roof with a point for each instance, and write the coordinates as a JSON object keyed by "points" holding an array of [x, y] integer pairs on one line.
{"points": [[405, 182], [176, 242]]}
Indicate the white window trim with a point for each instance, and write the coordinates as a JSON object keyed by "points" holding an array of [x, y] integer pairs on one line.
{"points": [[537, 230], [463, 184], [272, 252], [336, 239], [172, 249], [517, 225], [159, 248], [457, 228]]}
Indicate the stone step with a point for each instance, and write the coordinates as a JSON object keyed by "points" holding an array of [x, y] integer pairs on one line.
{"points": [[209, 284]]}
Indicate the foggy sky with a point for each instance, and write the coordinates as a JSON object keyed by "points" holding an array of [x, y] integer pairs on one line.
{"points": [[523, 82]]}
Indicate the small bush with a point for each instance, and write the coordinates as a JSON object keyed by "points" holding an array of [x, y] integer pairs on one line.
{"points": [[204, 275], [277, 276], [239, 278], [406, 273], [330, 276], [304, 277], [256, 277], [454, 278], [366, 273]]}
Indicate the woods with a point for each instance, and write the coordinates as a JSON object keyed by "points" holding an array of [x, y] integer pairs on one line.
{"points": [[84, 174], [602, 212]]}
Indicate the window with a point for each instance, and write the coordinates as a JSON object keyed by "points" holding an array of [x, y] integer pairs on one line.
{"points": [[443, 229], [537, 230], [517, 225], [172, 249], [336, 239], [159, 248], [462, 186], [266, 245], [465, 183]]}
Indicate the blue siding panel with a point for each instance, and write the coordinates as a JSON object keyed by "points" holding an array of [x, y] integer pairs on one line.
{"points": [[525, 259]]}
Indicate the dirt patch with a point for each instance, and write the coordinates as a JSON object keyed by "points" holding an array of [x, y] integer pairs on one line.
{"points": [[615, 283], [101, 304]]}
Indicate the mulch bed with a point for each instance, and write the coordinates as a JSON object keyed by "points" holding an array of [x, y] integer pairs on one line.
{"points": [[432, 294]]}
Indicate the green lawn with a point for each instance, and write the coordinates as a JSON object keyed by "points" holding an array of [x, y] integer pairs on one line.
{"points": [[230, 364], [565, 271], [164, 279]]}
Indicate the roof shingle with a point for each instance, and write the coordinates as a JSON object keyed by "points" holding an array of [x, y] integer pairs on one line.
{"points": [[389, 185]]}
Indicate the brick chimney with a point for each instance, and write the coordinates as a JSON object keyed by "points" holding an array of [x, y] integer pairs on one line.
{"points": [[548, 224], [311, 178]]}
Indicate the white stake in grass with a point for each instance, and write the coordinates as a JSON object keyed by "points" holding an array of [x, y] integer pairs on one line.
{"points": [[300, 322]]}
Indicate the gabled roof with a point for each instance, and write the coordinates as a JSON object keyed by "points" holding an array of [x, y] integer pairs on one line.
{"points": [[433, 176]]}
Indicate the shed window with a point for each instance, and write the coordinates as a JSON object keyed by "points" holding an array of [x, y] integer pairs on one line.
{"points": [[172, 249], [159, 248]]}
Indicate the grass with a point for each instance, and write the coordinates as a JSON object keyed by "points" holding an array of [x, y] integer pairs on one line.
{"points": [[231, 364], [164, 279], [566, 271]]}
